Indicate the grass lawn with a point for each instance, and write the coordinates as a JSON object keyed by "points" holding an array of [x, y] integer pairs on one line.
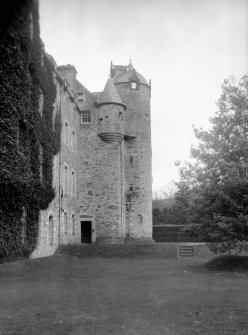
{"points": [[131, 296]]}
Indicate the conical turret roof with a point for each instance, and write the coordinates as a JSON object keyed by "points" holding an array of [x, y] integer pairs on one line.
{"points": [[109, 95]]}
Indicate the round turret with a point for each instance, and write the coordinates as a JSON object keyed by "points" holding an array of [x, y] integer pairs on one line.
{"points": [[135, 93], [110, 126]]}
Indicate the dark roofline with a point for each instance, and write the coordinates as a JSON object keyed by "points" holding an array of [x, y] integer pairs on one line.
{"points": [[111, 103], [128, 82]]}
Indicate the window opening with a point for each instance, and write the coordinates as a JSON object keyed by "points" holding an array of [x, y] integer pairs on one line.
{"points": [[66, 134], [66, 186], [73, 175], [133, 85], [81, 96], [65, 223], [86, 117], [73, 224], [73, 140], [51, 230]]}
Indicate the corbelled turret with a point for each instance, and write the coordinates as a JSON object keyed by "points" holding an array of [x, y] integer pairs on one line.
{"points": [[110, 114]]}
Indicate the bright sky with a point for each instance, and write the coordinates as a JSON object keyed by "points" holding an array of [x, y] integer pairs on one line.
{"points": [[186, 47]]}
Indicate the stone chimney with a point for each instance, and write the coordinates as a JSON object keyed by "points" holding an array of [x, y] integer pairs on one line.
{"points": [[69, 73]]}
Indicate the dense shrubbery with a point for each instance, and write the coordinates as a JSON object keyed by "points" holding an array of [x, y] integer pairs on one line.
{"points": [[28, 139]]}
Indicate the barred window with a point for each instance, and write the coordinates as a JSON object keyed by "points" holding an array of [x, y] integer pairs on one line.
{"points": [[85, 117]]}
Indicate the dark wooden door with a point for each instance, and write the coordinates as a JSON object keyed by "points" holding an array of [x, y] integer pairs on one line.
{"points": [[86, 231]]}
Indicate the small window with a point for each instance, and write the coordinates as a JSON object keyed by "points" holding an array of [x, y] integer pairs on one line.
{"points": [[73, 219], [131, 160], [120, 116], [65, 223], [73, 185], [66, 133], [73, 140], [81, 97], [66, 181], [133, 85], [85, 117], [51, 230]]}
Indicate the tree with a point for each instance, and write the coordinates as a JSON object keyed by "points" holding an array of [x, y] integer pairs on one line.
{"points": [[213, 188], [165, 208]]}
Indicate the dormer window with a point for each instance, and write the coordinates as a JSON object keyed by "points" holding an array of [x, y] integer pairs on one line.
{"points": [[133, 85], [81, 97]]}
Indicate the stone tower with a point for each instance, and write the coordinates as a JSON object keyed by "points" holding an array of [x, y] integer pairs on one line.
{"points": [[135, 93], [110, 223]]}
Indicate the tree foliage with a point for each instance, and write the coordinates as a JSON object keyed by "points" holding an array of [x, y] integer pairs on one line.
{"points": [[166, 210], [213, 187]]}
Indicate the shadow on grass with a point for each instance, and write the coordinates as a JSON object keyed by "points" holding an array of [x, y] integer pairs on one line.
{"points": [[228, 263], [224, 263]]}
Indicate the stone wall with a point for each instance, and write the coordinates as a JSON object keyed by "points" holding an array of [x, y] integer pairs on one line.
{"points": [[101, 180], [59, 224], [137, 161]]}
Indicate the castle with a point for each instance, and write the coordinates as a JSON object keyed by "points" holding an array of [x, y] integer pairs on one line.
{"points": [[102, 174]]}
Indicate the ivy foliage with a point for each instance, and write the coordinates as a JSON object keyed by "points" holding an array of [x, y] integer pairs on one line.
{"points": [[29, 130]]}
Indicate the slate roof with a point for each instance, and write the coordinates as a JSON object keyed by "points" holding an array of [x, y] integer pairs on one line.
{"points": [[109, 94], [125, 76]]}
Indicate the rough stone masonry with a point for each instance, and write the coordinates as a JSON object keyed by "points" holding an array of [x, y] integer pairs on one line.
{"points": [[102, 175]]}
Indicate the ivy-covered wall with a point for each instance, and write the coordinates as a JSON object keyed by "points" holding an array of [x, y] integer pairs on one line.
{"points": [[29, 132]]}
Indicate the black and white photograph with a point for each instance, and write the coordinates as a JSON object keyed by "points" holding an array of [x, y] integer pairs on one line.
{"points": [[124, 167]]}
